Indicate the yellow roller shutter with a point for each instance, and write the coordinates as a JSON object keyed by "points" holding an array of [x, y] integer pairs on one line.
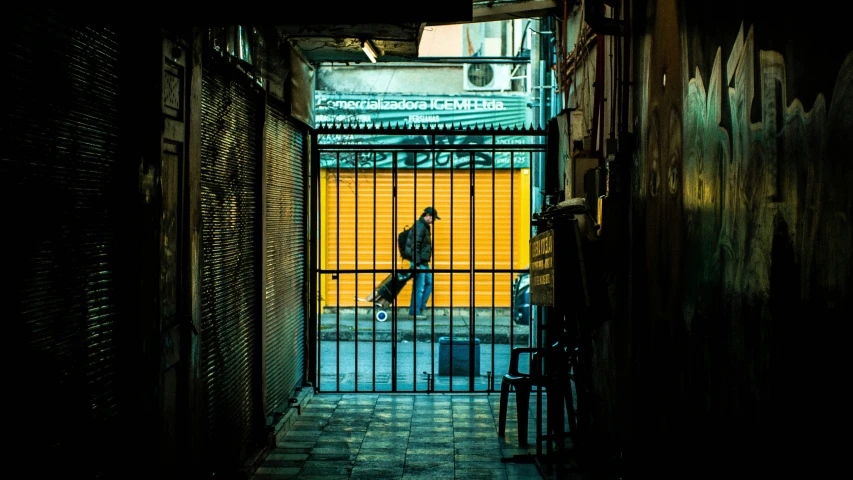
{"points": [[358, 230]]}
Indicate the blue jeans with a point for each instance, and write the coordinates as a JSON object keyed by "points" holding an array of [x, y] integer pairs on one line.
{"points": [[421, 290]]}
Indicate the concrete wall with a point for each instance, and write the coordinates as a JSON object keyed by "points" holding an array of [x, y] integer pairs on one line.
{"points": [[441, 41]]}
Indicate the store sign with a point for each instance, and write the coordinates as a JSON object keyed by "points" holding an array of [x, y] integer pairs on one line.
{"points": [[508, 110], [542, 283]]}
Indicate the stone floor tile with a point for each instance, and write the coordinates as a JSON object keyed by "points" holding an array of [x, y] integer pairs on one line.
{"points": [[264, 470], [376, 472], [413, 437]]}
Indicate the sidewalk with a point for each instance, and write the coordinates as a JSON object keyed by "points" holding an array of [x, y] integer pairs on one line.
{"points": [[488, 328]]}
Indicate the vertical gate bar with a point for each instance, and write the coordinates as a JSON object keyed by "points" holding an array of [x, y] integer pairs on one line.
{"points": [[432, 323], [512, 249], [472, 332], [432, 239], [355, 310], [489, 388], [414, 319], [395, 183], [374, 274], [451, 157], [337, 272]]}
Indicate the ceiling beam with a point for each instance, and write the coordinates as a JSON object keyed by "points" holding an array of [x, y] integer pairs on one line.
{"points": [[493, 11], [268, 13]]}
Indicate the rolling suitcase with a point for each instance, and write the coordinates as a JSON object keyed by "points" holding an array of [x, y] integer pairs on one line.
{"points": [[386, 292]]}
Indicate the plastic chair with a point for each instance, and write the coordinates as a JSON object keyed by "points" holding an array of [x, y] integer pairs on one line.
{"points": [[522, 384], [557, 380]]}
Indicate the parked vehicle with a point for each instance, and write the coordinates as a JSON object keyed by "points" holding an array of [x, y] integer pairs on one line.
{"points": [[521, 299]]}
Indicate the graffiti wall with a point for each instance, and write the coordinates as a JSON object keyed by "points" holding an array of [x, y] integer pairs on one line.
{"points": [[743, 245]]}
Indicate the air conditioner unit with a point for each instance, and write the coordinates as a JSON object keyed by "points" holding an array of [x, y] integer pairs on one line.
{"points": [[486, 76]]}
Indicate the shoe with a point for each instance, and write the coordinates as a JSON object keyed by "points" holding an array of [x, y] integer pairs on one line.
{"points": [[418, 317]]}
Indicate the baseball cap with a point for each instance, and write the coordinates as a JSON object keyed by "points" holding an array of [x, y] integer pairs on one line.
{"points": [[431, 211]]}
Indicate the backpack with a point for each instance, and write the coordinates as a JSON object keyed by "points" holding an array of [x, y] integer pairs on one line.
{"points": [[402, 237]]}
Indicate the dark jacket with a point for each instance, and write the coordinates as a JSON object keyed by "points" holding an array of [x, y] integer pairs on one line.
{"points": [[420, 244]]}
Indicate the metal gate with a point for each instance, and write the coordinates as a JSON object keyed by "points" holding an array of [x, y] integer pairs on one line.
{"points": [[374, 182]]}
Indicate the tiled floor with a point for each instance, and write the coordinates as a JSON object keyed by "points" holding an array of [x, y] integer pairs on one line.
{"points": [[436, 436]]}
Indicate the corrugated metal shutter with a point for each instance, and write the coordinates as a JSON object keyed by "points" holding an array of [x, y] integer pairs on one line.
{"points": [[285, 258], [230, 264], [60, 167], [343, 226]]}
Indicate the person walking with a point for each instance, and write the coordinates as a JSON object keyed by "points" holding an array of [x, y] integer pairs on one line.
{"points": [[419, 243]]}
